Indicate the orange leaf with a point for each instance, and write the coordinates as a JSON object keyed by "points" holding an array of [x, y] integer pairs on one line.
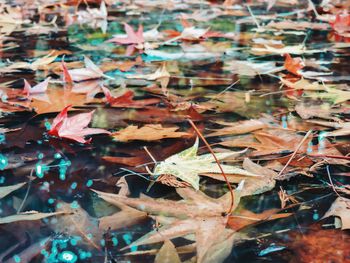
{"points": [[293, 65]]}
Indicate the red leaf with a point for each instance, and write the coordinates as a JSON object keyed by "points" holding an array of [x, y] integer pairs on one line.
{"points": [[67, 78], [293, 65], [341, 24], [38, 88], [132, 36], [126, 99], [74, 128]]}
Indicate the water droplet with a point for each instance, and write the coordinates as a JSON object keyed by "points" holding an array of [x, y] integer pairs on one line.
{"points": [[284, 122], [67, 256], [2, 138], [74, 185], [89, 183], [16, 258], [74, 205], [3, 162], [47, 125]]}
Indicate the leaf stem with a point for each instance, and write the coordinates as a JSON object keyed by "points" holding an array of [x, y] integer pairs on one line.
{"points": [[294, 153], [218, 163]]}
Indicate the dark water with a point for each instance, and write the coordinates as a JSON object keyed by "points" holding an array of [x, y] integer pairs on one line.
{"points": [[66, 171]]}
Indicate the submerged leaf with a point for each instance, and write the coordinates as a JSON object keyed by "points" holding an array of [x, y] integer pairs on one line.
{"points": [[6, 190]]}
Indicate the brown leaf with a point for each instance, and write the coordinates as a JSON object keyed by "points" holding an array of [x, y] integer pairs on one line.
{"points": [[58, 98], [340, 208], [239, 127], [167, 254], [28, 216], [78, 222], [150, 132], [269, 142]]}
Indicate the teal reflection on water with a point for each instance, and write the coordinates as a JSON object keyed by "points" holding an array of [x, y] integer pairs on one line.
{"points": [[3, 162]]}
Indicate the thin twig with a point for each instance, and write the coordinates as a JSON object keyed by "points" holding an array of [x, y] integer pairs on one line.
{"points": [[218, 163], [27, 192], [294, 153]]}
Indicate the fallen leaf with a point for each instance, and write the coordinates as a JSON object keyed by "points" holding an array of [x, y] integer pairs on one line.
{"points": [[126, 99], [28, 216], [187, 165], [74, 128], [132, 36], [269, 142], [167, 254], [340, 208], [293, 65], [77, 222], [6, 190], [39, 88], [91, 71], [308, 111], [240, 127], [197, 214], [150, 132]]}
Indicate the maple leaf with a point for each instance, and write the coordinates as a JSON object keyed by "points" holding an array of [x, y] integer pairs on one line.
{"points": [[196, 214], [73, 128], [252, 185], [269, 142], [127, 216], [167, 254], [132, 36], [6, 190], [187, 165], [77, 222], [150, 132], [126, 99], [57, 98], [28, 216], [340, 208], [91, 71], [160, 73], [293, 65], [239, 127], [38, 88], [67, 78], [38, 64]]}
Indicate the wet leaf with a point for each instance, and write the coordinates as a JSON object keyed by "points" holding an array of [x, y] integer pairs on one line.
{"points": [[187, 165], [167, 254], [77, 221], [28, 216], [6, 190], [73, 128], [150, 132]]}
